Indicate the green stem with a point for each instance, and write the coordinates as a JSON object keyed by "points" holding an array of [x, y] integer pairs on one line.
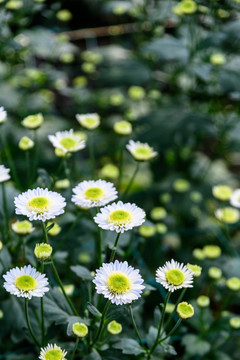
{"points": [[131, 180], [44, 230], [101, 322], [68, 232], [66, 169], [175, 307], [5, 209], [75, 348], [29, 325], [10, 161], [62, 288], [120, 168], [161, 322], [114, 249], [99, 248], [172, 331], [42, 314], [35, 164], [135, 326], [91, 154], [28, 169]]}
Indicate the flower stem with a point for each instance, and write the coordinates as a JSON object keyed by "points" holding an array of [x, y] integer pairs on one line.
{"points": [[172, 331], [91, 154], [120, 168], [42, 313], [5, 209], [62, 288], [75, 348], [29, 325], [99, 248], [135, 326], [175, 307], [114, 249], [161, 322], [131, 180], [35, 164], [102, 322], [44, 230]]}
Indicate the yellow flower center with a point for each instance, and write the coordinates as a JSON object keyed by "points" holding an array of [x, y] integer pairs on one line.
{"points": [[94, 193], [55, 354], [90, 121], [39, 204], [68, 143], [175, 277], [143, 153], [25, 283], [118, 283], [120, 217]]}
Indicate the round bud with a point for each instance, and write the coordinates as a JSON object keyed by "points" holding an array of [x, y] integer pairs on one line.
{"points": [[185, 310], [203, 301], [25, 143], [80, 329], [23, 227], [33, 122], [214, 273], [43, 251], [123, 127], [114, 328], [233, 283], [212, 251], [197, 270]]}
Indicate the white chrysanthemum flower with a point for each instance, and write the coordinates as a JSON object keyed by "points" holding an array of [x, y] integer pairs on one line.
{"points": [[174, 276], [67, 141], [94, 193], [4, 174], [141, 151], [3, 115], [39, 204], [25, 282], [118, 282], [120, 217], [88, 121], [52, 352], [235, 198]]}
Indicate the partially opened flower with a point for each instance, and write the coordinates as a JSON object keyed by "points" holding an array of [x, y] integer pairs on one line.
{"points": [[88, 121], [23, 227], [141, 151], [119, 282], [174, 276], [25, 282], [4, 174], [39, 204], [94, 193], [67, 141], [120, 217], [3, 115], [235, 198], [52, 352], [33, 122]]}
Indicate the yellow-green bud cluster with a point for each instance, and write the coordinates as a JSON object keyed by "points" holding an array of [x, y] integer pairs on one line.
{"points": [[43, 251]]}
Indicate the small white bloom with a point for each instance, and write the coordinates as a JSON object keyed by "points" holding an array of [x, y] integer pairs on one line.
{"points": [[88, 121], [118, 282], [94, 193], [4, 174], [120, 217], [39, 204], [25, 282], [52, 352], [235, 198], [3, 115], [67, 141], [174, 276], [141, 151]]}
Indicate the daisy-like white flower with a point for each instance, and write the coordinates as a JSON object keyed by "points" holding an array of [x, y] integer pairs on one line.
{"points": [[141, 151], [174, 276], [89, 121], [67, 141], [4, 174], [235, 198], [3, 115], [118, 282], [120, 217], [39, 204], [52, 352], [25, 282], [92, 193]]}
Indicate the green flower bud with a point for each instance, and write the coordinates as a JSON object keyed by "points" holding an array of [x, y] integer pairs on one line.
{"points": [[55, 230], [222, 192], [80, 81], [1, 314], [217, 59], [203, 301], [198, 254], [233, 283], [158, 213], [187, 7], [25, 143], [1, 246], [136, 92], [161, 228], [214, 273], [147, 230], [197, 270], [62, 184], [181, 185], [227, 215], [64, 15], [43, 251], [23, 227], [109, 171], [80, 329], [14, 5], [123, 127], [169, 308], [235, 323], [88, 68], [212, 251], [33, 122], [114, 328], [185, 310], [66, 58]]}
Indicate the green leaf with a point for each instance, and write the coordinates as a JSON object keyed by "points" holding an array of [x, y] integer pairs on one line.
{"points": [[82, 272], [72, 320], [129, 346], [93, 356], [195, 346], [93, 310]]}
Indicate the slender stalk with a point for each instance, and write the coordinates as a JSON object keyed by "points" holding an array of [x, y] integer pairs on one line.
{"points": [[135, 326], [75, 348], [29, 325], [120, 168], [42, 313], [44, 230], [114, 249], [131, 180], [28, 168], [172, 331], [10, 161], [99, 248], [5, 209], [66, 169], [101, 322], [175, 307], [161, 322], [91, 154], [35, 163], [62, 288]]}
